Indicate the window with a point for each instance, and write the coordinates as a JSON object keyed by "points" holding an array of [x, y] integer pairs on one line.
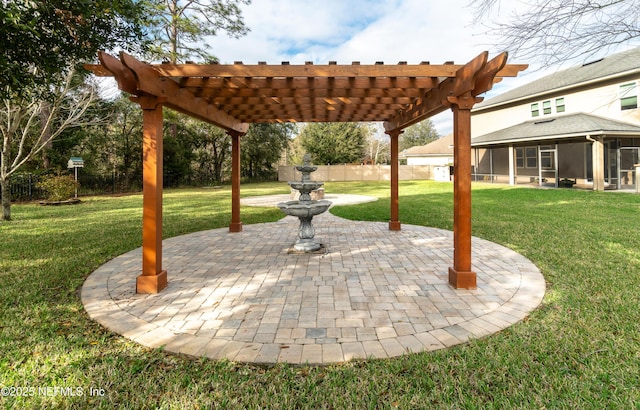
{"points": [[546, 160], [628, 96], [526, 157], [535, 111], [546, 107], [519, 157], [531, 157], [559, 104]]}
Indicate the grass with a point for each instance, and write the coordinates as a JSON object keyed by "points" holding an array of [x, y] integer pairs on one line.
{"points": [[579, 349]]}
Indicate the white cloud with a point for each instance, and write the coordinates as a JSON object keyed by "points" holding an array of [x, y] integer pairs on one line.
{"points": [[357, 30]]}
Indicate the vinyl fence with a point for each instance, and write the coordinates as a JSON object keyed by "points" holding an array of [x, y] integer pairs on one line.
{"points": [[354, 172]]}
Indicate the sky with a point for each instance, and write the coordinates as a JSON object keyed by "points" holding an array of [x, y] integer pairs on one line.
{"points": [[367, 31]]}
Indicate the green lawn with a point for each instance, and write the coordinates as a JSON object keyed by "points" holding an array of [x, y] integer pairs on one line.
{"points": [[579, 349]]}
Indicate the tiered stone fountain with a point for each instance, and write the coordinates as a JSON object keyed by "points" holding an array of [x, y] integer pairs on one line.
{"points": [[305, 208]]}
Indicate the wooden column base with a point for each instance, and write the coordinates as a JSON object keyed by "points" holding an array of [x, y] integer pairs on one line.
{"points": [[235, 227], [394, 225], [462, 280], [151, 283]]}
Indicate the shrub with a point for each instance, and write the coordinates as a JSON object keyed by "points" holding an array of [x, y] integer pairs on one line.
{"points": [[566, 183], [58, 187]]}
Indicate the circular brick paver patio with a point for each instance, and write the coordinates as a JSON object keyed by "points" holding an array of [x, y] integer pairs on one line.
{"points": [[372, 293]]}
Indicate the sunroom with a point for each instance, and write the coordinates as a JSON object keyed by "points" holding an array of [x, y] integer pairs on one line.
{"points": [[580, 150]]}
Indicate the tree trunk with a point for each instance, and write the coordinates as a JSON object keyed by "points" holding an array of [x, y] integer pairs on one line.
{"points": [[5, 183], [173, 8], [45, 111], [5, 187], [218, 162]]}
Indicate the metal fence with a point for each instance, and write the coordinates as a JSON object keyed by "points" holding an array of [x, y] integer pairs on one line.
{"points": [[24, 187]]}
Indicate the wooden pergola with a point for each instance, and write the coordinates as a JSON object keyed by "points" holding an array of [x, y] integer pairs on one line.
{"points": [[236, 95]]}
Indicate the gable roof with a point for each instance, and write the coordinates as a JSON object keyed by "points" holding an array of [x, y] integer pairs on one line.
{"points": [[615, 65], [439, 147], [554, 128]]}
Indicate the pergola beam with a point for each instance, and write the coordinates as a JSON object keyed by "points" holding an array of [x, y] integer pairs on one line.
{"points": [[317, 71], [307, 70], [251, 102], [292, 85], [148, 82], [477, 77]]}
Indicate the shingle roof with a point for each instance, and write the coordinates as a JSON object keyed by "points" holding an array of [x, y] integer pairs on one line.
{"points": [[616, 64], [560, 127], [441, 146]]}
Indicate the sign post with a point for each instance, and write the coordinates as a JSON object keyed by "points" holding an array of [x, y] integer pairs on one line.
{"points": [[75, 163]]}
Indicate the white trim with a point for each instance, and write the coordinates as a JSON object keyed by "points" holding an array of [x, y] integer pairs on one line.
{"points": [[512, 171]]}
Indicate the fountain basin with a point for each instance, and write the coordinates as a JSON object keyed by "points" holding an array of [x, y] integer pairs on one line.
{"points": [[304, 209], [305, 186], [306, 168]]}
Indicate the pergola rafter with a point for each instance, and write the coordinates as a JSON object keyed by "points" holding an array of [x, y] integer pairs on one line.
{"points": [[233, 96]]}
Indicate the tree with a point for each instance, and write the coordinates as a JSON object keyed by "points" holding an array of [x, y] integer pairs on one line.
{"points": [[41, 38], [262, 148], [377, 145], [334, 143], [555, 31], [116, 146], [24, 136], [42, 43], [421, 133], [69, 142], [294, 153], [178, 28], [377, 150], [211, 151]]}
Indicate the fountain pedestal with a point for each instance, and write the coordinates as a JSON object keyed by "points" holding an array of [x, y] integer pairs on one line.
{"points": [[305, 211], [305, 208]]}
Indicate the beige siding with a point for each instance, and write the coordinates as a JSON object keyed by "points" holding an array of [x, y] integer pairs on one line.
{"points": [[603, 101], [435, 161]]}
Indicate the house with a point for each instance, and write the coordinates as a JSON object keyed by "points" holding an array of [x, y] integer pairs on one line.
{"points": [[576, 126], [436, 153]]}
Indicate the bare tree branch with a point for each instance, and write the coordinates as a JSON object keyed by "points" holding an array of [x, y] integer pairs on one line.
{"points": [[554, 31]]}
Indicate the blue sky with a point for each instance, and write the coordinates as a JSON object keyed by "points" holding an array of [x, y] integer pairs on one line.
{"points": [[359, 30]]}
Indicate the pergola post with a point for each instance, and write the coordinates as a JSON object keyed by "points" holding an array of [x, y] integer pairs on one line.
{"points": [[153, 278], [236, 224], [394, 223], [461, 275]]}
